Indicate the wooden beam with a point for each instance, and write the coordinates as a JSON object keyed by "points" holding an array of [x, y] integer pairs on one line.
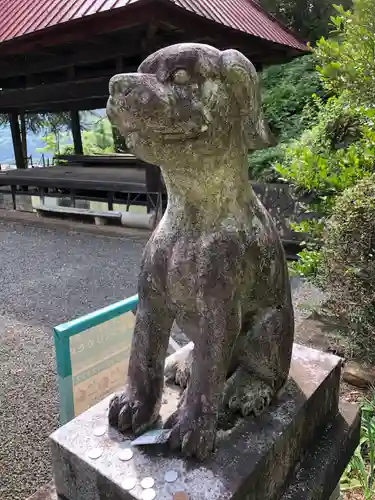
{"points": [[126, 46], [30, 98], [95, 55], [58, 107], [16, 139], [76, 132]]}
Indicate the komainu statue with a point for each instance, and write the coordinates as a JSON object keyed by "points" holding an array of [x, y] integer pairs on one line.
{"points": [[215, 263]]}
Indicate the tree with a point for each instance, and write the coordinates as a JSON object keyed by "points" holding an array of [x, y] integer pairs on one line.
{"points": [[308, 18], [54, 123], [347, 58], [286, 94], [339, 150], [96, 138], [118, 141]]}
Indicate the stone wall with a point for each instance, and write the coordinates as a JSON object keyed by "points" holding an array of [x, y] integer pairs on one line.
{"points": [[283, 207]]}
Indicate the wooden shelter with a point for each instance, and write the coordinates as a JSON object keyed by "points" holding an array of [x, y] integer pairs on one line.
{"points": [[58, 55]]}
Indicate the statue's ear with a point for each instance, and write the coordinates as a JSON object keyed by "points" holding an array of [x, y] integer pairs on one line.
{"points": [[241, 77]]}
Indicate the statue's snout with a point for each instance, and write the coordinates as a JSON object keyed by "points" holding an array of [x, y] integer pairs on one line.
{"points": [[123, 84]]}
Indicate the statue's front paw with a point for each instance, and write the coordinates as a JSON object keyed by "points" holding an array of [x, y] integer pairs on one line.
{"points": [[128, 412], [193, 434], [246, 394], [178, 366]]}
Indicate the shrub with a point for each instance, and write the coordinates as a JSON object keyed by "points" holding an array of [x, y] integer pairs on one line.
{"points": [[333, 154], [330, 157], [288, 108], [286, 90], [348, 264], [347, 58], [261, 163], [359, 474]]}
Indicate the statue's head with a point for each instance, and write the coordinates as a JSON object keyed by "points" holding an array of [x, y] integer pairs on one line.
{"points": [[189, 99]]}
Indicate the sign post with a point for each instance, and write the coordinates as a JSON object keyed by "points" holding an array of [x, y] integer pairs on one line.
{"points": [[92, 354]]}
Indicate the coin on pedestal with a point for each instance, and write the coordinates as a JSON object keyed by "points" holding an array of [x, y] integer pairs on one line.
{"points": [[147, 482], [180, 495]]}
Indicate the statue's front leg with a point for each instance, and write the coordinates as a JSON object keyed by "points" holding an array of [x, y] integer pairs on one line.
{"points": [[194, 424], [139, 405]]}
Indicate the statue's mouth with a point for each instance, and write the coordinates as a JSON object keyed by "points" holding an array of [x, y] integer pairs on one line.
{"points": [[180, 136], [129, 124], [166, 136]]}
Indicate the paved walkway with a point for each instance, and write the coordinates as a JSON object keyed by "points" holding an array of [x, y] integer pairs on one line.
{"points": [[47, 276]]}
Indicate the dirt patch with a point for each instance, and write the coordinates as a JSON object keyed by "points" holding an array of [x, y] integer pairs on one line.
{"points": [[316, 329], [353, 495]]}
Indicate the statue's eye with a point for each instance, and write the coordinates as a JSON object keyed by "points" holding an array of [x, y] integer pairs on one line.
{"points": [[180, 77]]}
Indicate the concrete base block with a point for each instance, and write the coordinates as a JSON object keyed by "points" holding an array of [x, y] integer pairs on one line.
{"points": [[273, 457], [100, 221], [141, 221], [336, 495]]}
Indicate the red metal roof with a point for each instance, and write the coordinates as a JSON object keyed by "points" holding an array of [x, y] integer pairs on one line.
{"points": [[243, 15], [22, 17]]}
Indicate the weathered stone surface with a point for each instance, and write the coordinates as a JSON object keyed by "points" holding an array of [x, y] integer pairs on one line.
{"points": [[253, 460], [215, 264], [358, 375], [336, 495], [47, 492], [283, 207], [324, 463]]}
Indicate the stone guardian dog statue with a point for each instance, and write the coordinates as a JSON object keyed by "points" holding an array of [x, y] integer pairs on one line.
{"points": [[215, 263]]}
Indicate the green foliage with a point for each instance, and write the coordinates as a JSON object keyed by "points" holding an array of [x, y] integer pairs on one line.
{"points": [[348, 264], [261, 162], [288, 108], [332, 155], [309, 259], [50, 145], [359, 473], [328, 152], [119, 141], [308, 18], [98, 140], [50, 123], [347, 58], [37, 122], [286, 90], [308, 264]]}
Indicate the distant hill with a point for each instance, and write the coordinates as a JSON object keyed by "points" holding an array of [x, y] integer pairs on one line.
{"points": [[35, 141], [6, 147]]}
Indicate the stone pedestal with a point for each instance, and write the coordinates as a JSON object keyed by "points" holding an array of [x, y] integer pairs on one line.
{"points": [[336, 495], [296, 450]]}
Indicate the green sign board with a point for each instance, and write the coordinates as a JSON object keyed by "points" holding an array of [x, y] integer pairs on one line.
{"points": [[92, 354]]}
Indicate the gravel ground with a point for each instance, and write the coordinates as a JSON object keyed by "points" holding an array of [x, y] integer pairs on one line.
{"points": [[49, 276]]}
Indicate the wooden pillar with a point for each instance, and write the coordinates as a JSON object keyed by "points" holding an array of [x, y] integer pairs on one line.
{"points": [[17, 141], [76, 132], [23, 135]]}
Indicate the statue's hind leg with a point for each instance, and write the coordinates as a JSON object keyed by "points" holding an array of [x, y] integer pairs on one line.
{"points": [[261, 362]]}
